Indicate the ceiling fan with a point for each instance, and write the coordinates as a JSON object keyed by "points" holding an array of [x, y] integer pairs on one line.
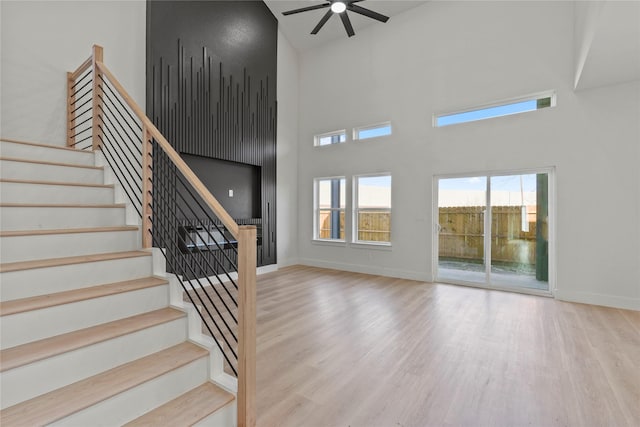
{"points": [[340, 7]]}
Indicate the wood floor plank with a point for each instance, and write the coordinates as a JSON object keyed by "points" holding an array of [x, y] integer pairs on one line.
{"points": [[52, 406], [32, 352], [186, 410], [348, 349]]}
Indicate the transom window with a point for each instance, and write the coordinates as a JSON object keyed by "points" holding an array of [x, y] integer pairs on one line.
{"points": [[373, 131], [335, 137], [505, 108]]}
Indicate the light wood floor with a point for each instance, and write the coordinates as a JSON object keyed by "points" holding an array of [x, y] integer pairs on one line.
{"points": [[344, 349]]}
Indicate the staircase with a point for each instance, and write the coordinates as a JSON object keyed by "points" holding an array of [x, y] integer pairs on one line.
{"points": [[93, 332]]}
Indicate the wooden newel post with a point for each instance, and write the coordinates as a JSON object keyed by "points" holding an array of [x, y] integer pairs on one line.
{"points": [[247, 253], [71, 117], [147, 188], [97, 96]]}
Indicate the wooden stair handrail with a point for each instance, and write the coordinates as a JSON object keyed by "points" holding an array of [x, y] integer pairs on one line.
{"points": [[153, 132], [245, 235]]}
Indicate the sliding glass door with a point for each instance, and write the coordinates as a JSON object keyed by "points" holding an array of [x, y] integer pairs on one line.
{"points": [[493, 230]]}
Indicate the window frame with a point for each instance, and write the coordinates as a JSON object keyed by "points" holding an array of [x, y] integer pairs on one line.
{"points": [[357, 130], [356, 210], [501, 103], [318, 137], [316, 209]]}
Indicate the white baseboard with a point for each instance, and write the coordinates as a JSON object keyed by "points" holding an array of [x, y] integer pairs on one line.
{"points": [[288, 262], [599, 299], [368, 269]]}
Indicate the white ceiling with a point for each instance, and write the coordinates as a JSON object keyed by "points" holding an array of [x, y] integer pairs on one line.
{"points": [[297, 27]]}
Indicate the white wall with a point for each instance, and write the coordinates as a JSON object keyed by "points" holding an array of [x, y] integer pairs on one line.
{"points": [[287, 153], [42, 40], [445, 56]]}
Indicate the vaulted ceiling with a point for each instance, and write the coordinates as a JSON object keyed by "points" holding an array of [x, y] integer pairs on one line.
{"points": [[297, 27]]}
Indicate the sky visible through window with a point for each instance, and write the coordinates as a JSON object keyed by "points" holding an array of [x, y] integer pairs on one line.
{"points": [[374, 132], [486, 113]]}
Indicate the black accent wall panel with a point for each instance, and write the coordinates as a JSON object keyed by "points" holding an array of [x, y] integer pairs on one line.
{"points": [[211, 90]]}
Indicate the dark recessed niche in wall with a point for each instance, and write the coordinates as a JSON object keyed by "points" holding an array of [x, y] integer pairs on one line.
{"points": [[237, 186], [211, 90]]}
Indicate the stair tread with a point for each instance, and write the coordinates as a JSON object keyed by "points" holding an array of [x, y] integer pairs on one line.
{"points": [[40, 232], [64, 183], [8, 308], [55, 262], [32, 352], [187, 409], [44, 162], [37, 144], [61, 205], [75, 397]]}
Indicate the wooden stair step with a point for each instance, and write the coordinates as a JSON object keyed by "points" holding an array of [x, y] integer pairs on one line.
{"points": [[32, 352], [50, 300], [16, 233], [187, 409], [55, 262], [68, 184], [44, 162], [37, 144], [65, 401]]}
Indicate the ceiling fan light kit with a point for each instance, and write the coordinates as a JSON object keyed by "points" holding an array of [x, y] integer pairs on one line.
{"points": [[340, 8]]}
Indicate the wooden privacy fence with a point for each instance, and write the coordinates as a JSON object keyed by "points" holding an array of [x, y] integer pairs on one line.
{"points": [[372, 226], [462, 235]]}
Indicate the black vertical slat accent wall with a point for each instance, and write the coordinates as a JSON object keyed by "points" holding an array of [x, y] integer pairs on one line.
{"points": [[211, 90]]}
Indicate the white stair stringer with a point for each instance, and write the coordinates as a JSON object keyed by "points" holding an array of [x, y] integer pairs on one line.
{"points": [[31, 151], [25, 382], [216, 359]]}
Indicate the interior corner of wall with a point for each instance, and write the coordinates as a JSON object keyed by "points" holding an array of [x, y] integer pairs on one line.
{"points": [[586, 21]]}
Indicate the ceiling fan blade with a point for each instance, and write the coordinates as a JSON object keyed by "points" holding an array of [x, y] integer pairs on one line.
{"points": [[323, 21], [368, 13], [347, 24], [305, 9]]}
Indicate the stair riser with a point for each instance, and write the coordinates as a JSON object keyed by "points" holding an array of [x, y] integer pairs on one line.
{"points": [[42, 281], [223, 417], [35, 218], [14, 192], [27, 248], [43, 172], [35, 325], [133, 403], [34, 152], [26, 382]]}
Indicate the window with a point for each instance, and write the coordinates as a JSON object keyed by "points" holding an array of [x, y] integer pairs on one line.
{"points": [[372, 209], [514, 106], [329, 138], [329, 208], [373, 131]]}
